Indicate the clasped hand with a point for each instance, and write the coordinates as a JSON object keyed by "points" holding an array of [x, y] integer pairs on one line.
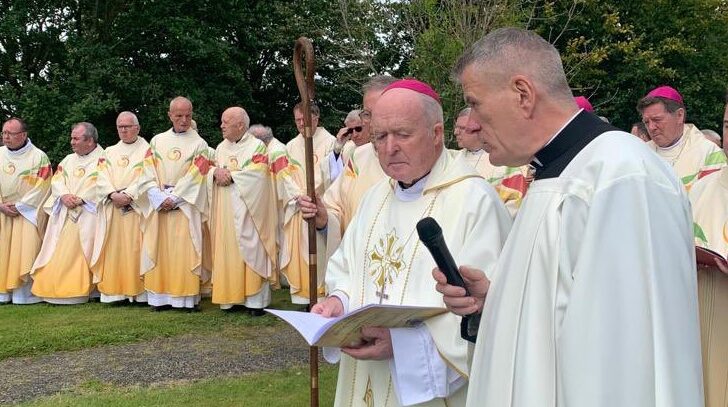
{"points": [[222, 177], [71, 201], [120, 199], [9, 209], [455, 297]]}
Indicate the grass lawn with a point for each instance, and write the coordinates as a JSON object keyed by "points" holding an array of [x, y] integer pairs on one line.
{"points": [[287, 388], [29, 330]]}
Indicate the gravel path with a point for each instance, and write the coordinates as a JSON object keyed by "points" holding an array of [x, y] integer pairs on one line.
{"points": [[156, 361]]}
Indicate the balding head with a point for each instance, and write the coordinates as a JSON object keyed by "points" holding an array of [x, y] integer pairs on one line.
{"points": [[407, 132], [262, 133], [234, 123], [180, 114], [515, 84]]}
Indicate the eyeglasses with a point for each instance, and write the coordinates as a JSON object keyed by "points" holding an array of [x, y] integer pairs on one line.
{"points": [[352, 129], [12, 133], [126, 127]]}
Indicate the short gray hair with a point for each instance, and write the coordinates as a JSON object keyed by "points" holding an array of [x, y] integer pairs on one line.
{"points": [[179, 99], [89, 130], [262, 133], [509, 51], [432, 110], [134, 118], [378, 82], [353, 115]]}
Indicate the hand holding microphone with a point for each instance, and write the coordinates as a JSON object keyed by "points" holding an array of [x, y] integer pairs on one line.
{"points": [[463, 288]]}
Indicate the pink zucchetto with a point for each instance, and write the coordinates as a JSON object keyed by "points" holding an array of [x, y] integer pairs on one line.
{"points": [[667, 92], [415, 85], [583, 103]]}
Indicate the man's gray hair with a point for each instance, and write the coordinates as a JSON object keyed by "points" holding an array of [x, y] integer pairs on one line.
{"points": [[262, 133], [89, 130], [353, 115], [378, 82], [511, 51], [178, 99], [134, 118], [464, 112]]}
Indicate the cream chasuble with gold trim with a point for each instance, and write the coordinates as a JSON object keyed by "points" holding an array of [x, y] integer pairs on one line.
{"points": [[381, 260]]}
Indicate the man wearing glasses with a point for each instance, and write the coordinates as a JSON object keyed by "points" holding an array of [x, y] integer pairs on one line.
{"points": [[116, 258], [24, 185]]}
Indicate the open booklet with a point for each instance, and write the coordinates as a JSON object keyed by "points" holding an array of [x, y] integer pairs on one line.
{"points": [[708, 257], [346, 330]]}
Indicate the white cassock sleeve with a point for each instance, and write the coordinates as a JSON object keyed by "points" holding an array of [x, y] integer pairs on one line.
{"points": [[156, 197], [627, 284], [419, 373], [336, 166], [28, 212]]}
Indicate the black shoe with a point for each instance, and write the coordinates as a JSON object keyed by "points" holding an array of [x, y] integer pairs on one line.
{"points": [[256, 312], [194, 309], [161, 308]]}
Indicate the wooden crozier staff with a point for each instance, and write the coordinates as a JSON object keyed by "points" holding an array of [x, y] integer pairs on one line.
{"points": [[307, 91]]}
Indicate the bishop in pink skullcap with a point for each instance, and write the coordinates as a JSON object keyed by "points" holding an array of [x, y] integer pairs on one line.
{"points": [[583, 103], [415, 85], [667, 92]]}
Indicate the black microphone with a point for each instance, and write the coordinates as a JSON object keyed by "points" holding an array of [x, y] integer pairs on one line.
{"points": [[430, 234]]}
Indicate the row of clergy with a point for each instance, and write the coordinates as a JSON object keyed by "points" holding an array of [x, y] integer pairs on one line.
{"points": [[168, 221], [590, 214]]}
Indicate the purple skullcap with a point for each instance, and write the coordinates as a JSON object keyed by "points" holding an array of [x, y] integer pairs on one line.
{"points": [[415, 85], [583, 103], [667, 92]]}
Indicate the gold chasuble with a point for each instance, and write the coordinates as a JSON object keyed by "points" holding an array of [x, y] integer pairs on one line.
{"points": [[710, 216], [243, 225], [25, 181], [509, 182], [692, 157], [61, 272], [296, 229], [381, 260], [116, 257], [172, 240]]}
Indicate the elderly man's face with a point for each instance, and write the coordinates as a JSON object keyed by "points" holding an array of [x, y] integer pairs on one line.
{"points": [[180, 115], [298, 117], [467, 133], [494, 108], [664, 127], [368, 102], [407, 148], [128, 131], [232, 126], [357, 132], [13, 135], [79, 143]]}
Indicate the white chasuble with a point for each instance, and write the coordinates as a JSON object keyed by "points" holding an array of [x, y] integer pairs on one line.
{"points": [[382, 260], [709, 199], [593, 301]]}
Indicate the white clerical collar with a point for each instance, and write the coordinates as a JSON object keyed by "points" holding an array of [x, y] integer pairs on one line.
{"points": [[412, 193], [674, 145], [22, 150], [556, 134], [475, 152]]}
